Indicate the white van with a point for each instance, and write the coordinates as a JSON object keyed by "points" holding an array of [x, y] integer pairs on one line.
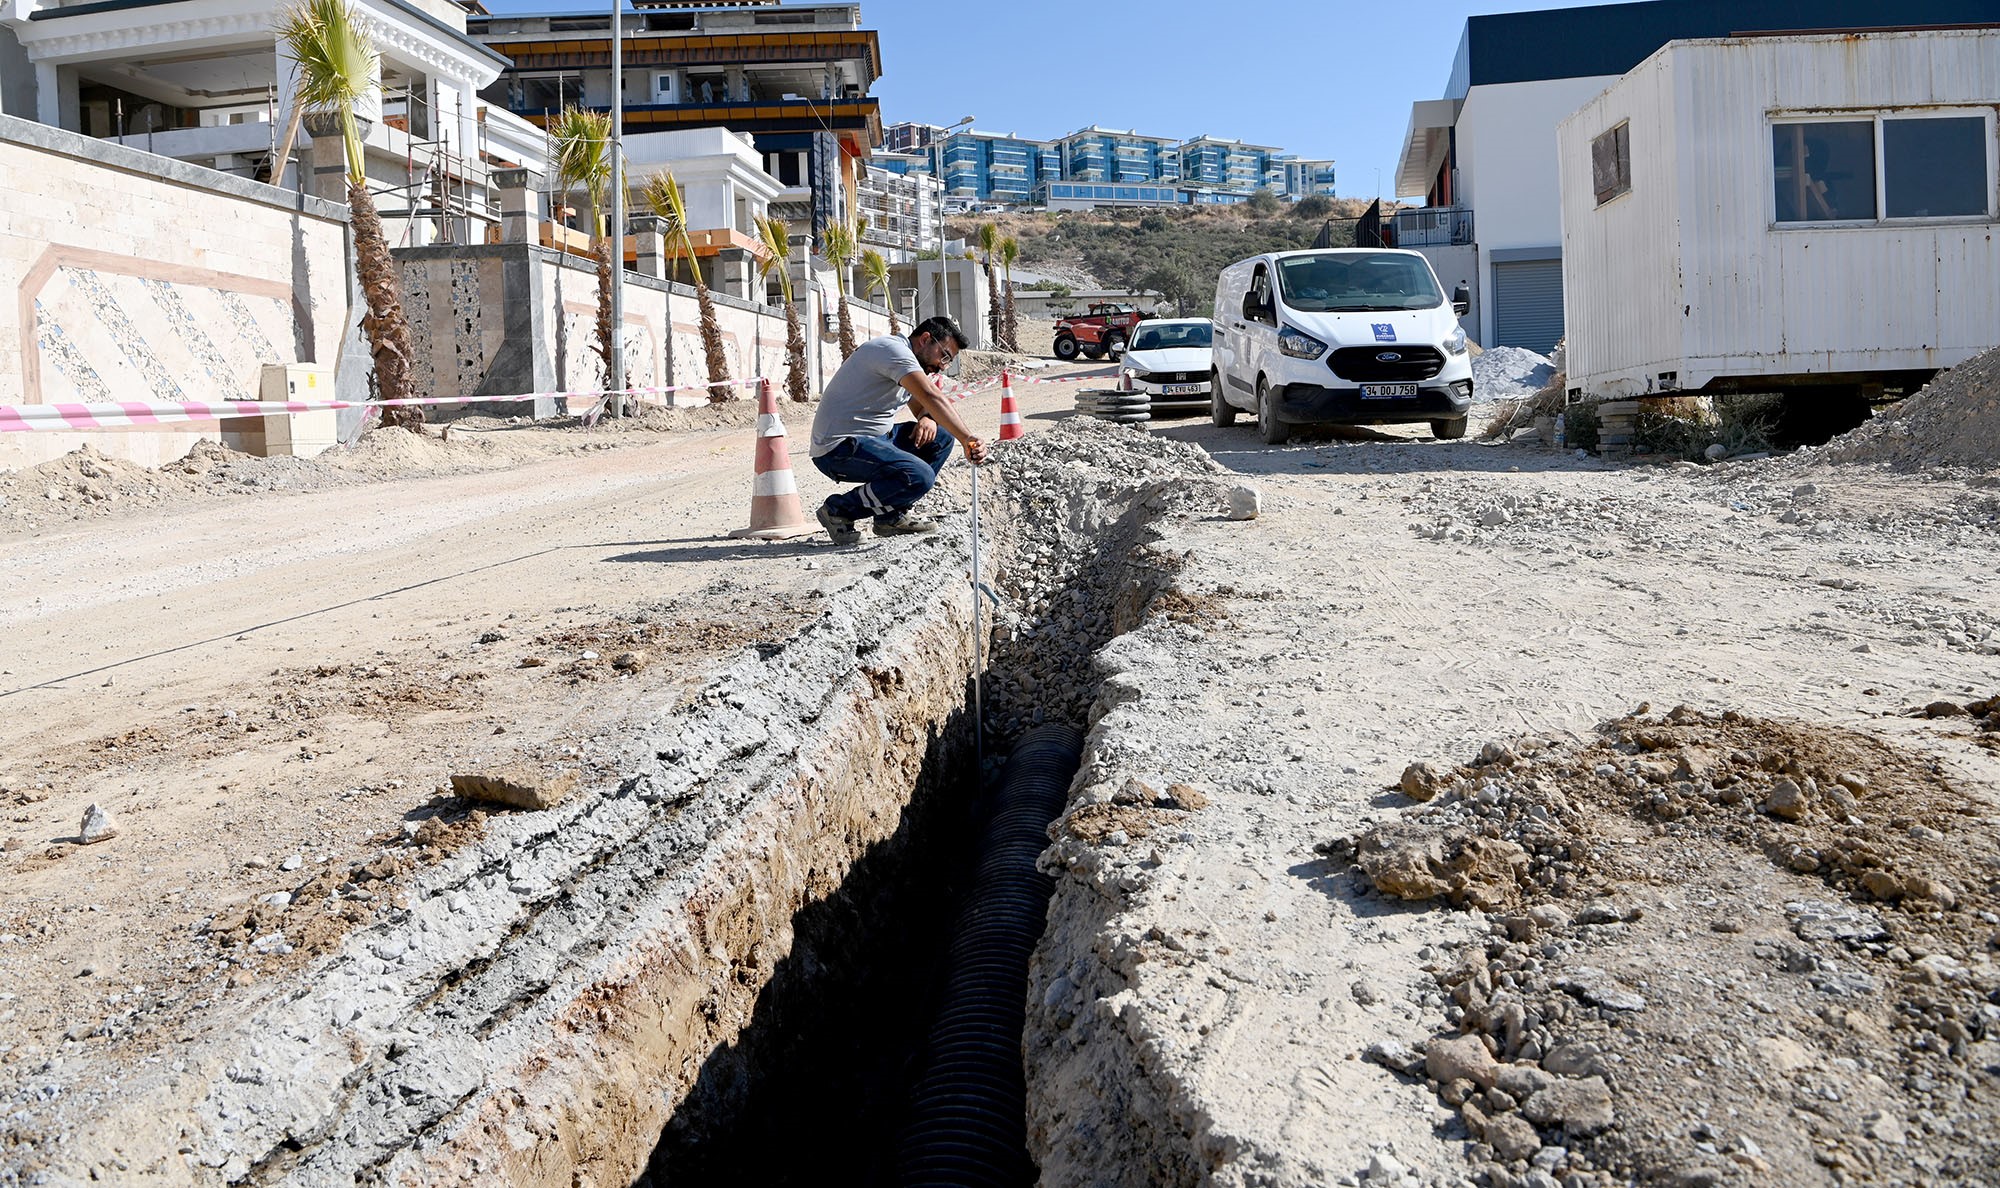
{"points": [[1347, 336]]}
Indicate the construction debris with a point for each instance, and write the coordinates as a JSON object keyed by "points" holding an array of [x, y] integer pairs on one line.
{"points": [[1780, 906], [1954, 421], [517, 786]]}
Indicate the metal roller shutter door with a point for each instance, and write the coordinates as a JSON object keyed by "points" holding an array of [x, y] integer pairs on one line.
{"points": [[1528, 304]]}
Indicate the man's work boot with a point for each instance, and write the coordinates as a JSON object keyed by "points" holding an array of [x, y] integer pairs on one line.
{"points": [[907, 524], [842, 531]]}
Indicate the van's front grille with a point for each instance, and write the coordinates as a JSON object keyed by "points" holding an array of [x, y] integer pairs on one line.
{"points": [[1386, 363]]}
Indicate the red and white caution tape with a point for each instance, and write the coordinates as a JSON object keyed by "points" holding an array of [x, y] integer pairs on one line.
{"points": [[17, 418], [958, 393]]}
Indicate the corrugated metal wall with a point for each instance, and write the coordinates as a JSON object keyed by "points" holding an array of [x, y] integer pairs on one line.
{"points": [[1757, 298], [1621, 260], [1528, 304]]}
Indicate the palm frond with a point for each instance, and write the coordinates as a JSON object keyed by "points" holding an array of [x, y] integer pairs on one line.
{"points": [[583, 156], [337, 65], [778, 238], [989, 237], [838, 243], [663, 195], [874, 271]]}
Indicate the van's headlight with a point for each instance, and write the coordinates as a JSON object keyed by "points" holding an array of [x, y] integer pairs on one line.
{"points": [[1454, 343], [1300, 345]]}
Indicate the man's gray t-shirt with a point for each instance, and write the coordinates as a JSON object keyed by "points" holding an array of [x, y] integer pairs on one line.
{"points": [[862, 397]]}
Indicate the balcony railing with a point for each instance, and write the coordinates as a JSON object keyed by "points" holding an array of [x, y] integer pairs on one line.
{"points": [[1433, 226]]}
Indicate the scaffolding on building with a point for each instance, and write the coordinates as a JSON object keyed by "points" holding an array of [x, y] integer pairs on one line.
{"points": [[441, 184]]}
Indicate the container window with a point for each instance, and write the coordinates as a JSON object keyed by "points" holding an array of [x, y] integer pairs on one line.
{"points": [[1824, 171], [1611, 163], [1934, 167]]}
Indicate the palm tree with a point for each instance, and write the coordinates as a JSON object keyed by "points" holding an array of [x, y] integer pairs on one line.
{"points": [[1010, 251], [663, 194], [989, 243], [839, 246], [777, 237], [583, 159], [875, 275], [337, 69]]}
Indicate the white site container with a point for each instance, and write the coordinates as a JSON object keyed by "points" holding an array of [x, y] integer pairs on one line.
{"points": [[1688, 281]]}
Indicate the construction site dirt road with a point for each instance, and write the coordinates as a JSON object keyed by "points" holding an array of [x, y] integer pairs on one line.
{"points": [[1697, 888]]}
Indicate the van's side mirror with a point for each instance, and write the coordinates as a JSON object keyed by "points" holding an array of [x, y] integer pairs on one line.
{"points": [[1256, 310], [1461, 301]]}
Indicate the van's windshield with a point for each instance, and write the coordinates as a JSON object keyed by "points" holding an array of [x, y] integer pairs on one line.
{"points": [[1357, 282]]}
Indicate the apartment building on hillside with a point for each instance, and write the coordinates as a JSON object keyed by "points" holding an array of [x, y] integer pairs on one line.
{"points": [[1097, 166], [901, 202]]}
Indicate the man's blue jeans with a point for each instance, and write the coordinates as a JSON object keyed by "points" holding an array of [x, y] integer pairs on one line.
{"points": [[894, 470]]}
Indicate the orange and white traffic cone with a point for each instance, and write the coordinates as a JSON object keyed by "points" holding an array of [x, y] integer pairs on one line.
{"points": [[774, 499], [1010, 417]]}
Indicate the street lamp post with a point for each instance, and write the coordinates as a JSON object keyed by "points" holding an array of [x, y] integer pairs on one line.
{"points": [[616, 368], [944, 280]]}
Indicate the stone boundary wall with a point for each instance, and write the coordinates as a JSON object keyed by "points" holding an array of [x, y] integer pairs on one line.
{"points": [[510, 319], [140, 278]]}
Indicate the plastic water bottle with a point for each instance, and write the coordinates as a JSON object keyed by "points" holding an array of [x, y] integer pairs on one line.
{"points": [[1559, 431]]}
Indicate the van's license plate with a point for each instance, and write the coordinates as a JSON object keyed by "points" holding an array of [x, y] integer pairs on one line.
{"points": [[1173, 389], [1387, 391]]}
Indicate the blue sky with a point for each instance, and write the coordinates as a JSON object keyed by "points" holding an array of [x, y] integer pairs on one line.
{"points": [[1321, 78]]}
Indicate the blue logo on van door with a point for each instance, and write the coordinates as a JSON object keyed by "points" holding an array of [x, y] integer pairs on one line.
{"points": [[1384, 332]]}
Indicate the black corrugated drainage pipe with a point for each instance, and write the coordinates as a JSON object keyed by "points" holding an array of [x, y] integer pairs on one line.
{"points": [[968, 1125]]}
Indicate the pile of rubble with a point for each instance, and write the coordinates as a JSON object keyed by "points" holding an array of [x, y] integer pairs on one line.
{"points": [[1953, 422], [978, 367], [1078, 503], [1722, 950]]}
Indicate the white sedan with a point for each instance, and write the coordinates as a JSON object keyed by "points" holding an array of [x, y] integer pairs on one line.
{"points": [[1171, 359]]}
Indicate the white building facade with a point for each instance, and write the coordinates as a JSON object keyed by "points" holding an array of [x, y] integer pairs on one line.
{"points": [[205, 81]]}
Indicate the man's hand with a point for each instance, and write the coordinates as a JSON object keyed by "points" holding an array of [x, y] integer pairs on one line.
{"points": [[926, 431], [975, 449]]}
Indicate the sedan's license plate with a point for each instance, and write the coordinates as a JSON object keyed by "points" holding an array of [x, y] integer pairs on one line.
{"points": [[1179, 389], [1387, 391]]}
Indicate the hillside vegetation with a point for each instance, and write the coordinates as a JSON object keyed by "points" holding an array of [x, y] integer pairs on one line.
{"points": [[1178, 251]]}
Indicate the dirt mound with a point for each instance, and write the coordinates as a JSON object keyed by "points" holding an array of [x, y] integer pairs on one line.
{"points": [[85, 485], [1074, 499], [1953, 422], [1739, 951], [977, 367]]}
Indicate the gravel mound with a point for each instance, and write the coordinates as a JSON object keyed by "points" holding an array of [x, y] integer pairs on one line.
{"points": [[1079, 500], [1509, 373], [1953, 422], [977, 367], [1722, 950]]}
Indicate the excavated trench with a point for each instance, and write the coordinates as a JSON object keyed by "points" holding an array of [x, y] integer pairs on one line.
{"points": [[722, 969], [844, 1072]]}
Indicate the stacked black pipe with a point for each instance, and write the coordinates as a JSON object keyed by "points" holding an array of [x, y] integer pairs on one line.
{"points": [[969, 1126]]}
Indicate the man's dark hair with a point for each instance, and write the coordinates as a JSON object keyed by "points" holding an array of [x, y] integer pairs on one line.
{"points": [[941, 328]]}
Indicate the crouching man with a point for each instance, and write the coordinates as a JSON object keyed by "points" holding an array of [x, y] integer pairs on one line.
{"points": [[855, 438]]}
